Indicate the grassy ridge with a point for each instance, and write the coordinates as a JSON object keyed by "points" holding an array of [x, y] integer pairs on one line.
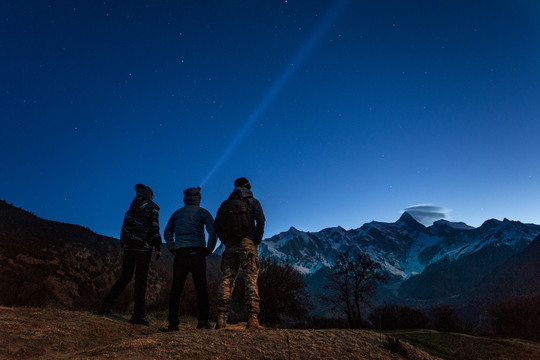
{"points": [[49, 333], [452, 346]]}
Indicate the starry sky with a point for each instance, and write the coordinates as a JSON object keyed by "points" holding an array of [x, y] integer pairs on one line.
{"points": [[339, 112]]}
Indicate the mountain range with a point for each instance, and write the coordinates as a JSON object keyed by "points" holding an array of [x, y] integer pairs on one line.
{"points": [[45, 262], [447, 262]]}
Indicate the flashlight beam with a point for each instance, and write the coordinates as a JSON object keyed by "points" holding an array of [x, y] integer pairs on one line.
{"points": [[272, 93]]}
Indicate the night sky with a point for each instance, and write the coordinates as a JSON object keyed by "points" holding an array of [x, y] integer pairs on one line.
{"points": [[338, 112]]}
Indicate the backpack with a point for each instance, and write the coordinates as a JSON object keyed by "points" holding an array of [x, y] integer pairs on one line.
{"points": [[233, 220]]}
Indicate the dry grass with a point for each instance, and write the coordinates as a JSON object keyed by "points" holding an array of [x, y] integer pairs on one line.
{"points": [[453, 346], [29, 333]]}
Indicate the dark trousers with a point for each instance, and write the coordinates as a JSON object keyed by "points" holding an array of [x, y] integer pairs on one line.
{"points": [[138, 262], [184, 264]]}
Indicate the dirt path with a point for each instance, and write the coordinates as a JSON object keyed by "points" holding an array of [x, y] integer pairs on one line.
{"points": [[29, 333]]}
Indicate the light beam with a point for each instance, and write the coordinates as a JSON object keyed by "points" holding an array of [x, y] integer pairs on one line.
{"points": [[296, 62]]}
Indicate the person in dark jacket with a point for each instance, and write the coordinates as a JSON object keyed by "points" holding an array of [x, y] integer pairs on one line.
{"points": [[240, 227], [139, 237], [184, 235]]}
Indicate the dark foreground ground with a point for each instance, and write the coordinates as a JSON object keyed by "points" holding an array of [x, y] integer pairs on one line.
{"points": [[30, 333]]}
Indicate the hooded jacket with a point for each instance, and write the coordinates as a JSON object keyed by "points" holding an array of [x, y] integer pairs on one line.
{"points": [[256, 230], [140, 229], [185, 228]]}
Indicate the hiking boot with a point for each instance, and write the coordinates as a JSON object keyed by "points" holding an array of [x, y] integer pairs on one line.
{"points": [[105, 309], [253, 323], [139, 320], [171, 328], [204, 325], [221, 321]]}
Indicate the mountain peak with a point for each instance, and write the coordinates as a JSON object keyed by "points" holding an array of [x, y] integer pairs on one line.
{"points": [[293, 230], [491, 223], [408, 219]]}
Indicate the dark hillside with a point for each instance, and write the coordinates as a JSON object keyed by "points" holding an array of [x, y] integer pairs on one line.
{"points": [[516, 278], [448, 281], [46, 262]]}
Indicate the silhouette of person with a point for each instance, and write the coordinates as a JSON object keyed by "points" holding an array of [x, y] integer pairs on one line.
{"points": [[240, 227], [139, 237], [184, 235]]}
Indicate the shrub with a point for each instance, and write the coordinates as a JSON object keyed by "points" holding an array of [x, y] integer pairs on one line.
{"points": [[391, 317], [282, 291], [444, 318], [517, 318]]}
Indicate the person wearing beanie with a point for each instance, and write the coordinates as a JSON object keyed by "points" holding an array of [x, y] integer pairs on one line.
{"points": [[240, 227], [185, 238], [139, 237], [242, 182]]}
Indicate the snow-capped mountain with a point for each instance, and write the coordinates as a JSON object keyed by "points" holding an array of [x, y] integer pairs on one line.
{"points": [[404, 248], [419, 258]]}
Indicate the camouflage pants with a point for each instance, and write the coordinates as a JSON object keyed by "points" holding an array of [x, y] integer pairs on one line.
{"points": [[245, 256]]}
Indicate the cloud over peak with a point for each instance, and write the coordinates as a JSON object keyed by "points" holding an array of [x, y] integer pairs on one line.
{"points": [[427, 214]]}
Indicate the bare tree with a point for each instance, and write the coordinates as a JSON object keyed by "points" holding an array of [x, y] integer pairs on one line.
{"points": [[350, 284], [282, 289]]}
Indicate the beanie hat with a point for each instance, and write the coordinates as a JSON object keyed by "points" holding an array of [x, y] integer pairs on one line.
{"points": [[192, 196], [192, 191], [144, 191], [242, 182]]}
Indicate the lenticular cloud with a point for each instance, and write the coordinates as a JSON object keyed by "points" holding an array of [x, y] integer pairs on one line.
{"points": [[428, 214]]}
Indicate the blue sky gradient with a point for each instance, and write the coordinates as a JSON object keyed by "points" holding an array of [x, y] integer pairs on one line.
{"points": [[394, 104]]}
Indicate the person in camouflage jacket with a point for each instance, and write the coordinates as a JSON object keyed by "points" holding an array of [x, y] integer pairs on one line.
{"points": [[241, 233], [139, 237]]}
